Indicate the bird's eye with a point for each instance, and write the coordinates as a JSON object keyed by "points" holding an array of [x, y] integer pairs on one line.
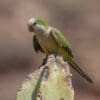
{"points": [[34, 24]]}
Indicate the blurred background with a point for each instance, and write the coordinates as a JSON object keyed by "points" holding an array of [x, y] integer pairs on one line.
{"points": [[79, 20]]}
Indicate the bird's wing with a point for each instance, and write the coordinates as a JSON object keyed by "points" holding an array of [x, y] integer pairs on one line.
{"points": [[61, 40], [36, 45]]}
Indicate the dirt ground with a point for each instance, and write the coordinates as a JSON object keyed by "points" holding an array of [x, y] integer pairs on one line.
{"points": [[79, 20]]}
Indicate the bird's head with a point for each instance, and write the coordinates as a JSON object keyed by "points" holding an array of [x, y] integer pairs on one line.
{"points": [[37, 24]]}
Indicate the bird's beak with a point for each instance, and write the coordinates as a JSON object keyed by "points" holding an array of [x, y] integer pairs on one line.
{"points": [[30, 29]]}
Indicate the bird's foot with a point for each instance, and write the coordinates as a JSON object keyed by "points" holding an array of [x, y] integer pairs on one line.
{"points": [[44, 61], [46, 58]]}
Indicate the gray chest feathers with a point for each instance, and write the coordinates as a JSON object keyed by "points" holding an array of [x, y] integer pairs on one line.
{"points": [[47, 43]]}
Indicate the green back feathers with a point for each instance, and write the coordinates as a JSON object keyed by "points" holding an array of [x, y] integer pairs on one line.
{"points": [[61, 38], [41, 22]]}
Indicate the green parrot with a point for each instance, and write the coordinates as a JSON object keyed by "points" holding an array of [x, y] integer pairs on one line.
{"points": [[49, 40]]}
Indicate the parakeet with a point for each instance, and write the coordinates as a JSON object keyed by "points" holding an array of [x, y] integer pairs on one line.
{"points": [[50, 40]]}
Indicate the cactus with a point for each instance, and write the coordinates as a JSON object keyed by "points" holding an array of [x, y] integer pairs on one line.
{"points": [[51, 81]]}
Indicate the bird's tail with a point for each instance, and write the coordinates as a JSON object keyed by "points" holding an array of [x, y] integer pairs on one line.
{"points": [[79, 70]]}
